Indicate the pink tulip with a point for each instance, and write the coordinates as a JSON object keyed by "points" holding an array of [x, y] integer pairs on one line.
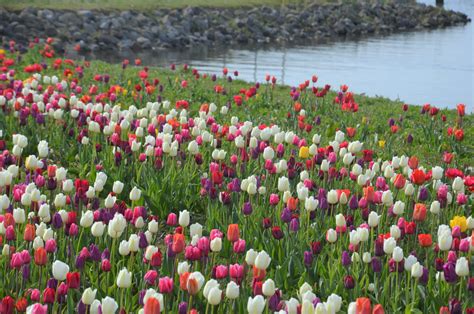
{"points": [[165, 285]]}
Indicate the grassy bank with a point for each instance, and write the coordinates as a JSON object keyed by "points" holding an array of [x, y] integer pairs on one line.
{"points": [[274, 103]]}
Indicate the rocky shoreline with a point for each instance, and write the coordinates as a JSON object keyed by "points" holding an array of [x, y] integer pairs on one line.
{"points": [[100, 31]]}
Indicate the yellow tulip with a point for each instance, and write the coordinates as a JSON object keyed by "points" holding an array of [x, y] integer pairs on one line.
{"points": [[459, 221], [304, 152]]}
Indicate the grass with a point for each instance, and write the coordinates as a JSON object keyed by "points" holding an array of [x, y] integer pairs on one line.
{"points": [[140, 5]]}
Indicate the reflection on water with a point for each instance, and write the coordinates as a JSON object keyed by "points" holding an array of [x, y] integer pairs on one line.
{"points": [[418, 67]]}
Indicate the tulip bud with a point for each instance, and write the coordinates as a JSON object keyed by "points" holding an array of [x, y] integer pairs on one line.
{"points": [[262, 261], [232, 290], [60, 270], [88, 296], [124, 279], [416, 270]]}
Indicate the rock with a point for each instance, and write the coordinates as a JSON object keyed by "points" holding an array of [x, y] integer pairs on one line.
{"points": [[45, 14], [191, 26], [143, 42], [68, 18]]}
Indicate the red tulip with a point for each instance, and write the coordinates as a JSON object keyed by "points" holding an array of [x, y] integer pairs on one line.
{"points": [[418, 177], [73, 280], [399, 181], [425, 240], [21, 305], [49, 295]]}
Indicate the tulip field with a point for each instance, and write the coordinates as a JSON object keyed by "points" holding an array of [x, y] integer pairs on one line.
{"points": [[129, 189]]}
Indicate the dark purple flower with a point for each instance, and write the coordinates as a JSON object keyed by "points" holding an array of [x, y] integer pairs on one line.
{"points": [[105, 254], [141, 296], [183, 308], [285, 215], [274, 301], [294, 225], [424, 278], [57, 221], [455, 306], [94, 252], [25, 271], [349, 282], [308, 258], [376, 265], [143, 242], [353, 202], [247, 208], [81, 308], [449, 270], [80, 261], [423, 195], [345, 259], [52, 283]]}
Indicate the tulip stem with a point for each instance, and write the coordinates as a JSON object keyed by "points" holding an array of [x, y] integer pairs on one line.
{"points": [[190, 305]]}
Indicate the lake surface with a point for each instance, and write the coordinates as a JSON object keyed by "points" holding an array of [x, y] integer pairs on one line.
{"points": [[420, 67]]}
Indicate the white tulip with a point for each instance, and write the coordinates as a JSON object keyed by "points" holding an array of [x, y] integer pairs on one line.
{"points": [[60, 270]]}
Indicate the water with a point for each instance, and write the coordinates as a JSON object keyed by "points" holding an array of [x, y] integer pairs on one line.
{"points": [[421, 67]]}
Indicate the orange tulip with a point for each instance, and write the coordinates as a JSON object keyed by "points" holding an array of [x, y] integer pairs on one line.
{"points": [[363, 306], [413, 162], [350, 132], [40, 256], [8, 220], [425, 240], [178, 243], [30, 233], [369, 193], [419, 212], [183, 281], [292, 203], [233, 233], [192, 286], [152, 306], [258, 274], [297, 106], [204, 108]]}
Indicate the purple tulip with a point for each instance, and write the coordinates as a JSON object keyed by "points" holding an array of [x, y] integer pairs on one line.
{"points": [[449, 270], [345, 259], [294, 225], [455, 306], [423, 195], [247, 208], [376, 265], [308, 258], [95, 252], [353, 202], [183, 308], [57, 221], [285, 215]]}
